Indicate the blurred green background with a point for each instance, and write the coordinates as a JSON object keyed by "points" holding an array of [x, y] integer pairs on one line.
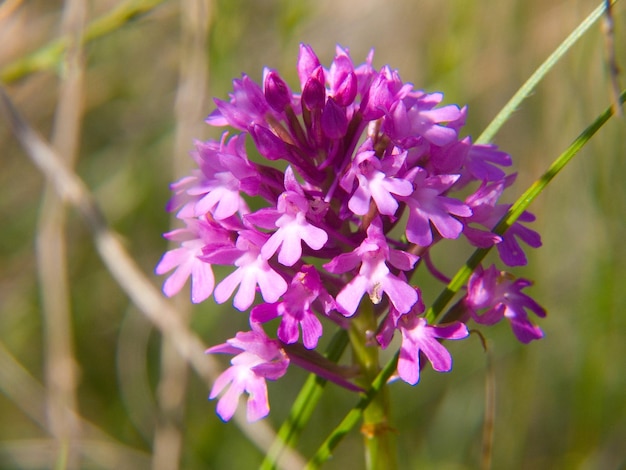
{"points": [[561, 401]]}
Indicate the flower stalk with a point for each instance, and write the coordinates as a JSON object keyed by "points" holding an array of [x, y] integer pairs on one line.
{"points": [[378, 435]]}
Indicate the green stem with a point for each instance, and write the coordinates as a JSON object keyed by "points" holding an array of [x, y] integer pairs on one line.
{"points": [[352, 418], [380, 451], [304, 405]]}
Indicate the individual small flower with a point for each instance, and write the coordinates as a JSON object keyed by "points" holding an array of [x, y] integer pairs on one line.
{"points": [[247, 106], [224, 173], [187, 259], [342, 78], [418, 337], [417, 116], [296, 310], [385, 90], [307, 63], [374, 276], [486, 212], [277, 92], [290, 218], [501, 294], [376, 180], [257, 358], [428, 206], [480, 161], [252, 270], [474, 162]]}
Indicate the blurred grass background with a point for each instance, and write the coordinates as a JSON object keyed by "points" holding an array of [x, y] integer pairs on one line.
{"points": [[143, 91]]}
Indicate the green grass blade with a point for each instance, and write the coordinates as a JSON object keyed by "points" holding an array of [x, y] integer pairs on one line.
{"points": [[528, 87]]}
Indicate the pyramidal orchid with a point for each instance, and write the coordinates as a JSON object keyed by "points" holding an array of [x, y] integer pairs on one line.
{"points": [[352, 177]]}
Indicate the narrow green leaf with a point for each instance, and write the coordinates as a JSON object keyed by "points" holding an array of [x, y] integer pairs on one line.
{"points": [[528, 87]]}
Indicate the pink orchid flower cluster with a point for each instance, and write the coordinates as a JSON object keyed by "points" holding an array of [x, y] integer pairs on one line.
{"points": [[356, 178]]}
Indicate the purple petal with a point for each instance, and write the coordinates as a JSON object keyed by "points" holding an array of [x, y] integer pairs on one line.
{"points": [[288, 330], [277, 91], [408, 363], [264, 312], [385, 202], [401, 294], [402, 260], [307, 63], [227, 286], [418, 229], [436, 353], [175, 282], [524, 330], [227, 404], [258, 404], [314, 91], [350, 296], [272, 284], [334, 120], [491, 316], [456, 330], [311, 331], [202, 281], [247, 290], [359, 203]]}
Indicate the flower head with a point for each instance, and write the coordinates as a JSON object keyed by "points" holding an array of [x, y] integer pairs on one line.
{"points": [[353, 175]]}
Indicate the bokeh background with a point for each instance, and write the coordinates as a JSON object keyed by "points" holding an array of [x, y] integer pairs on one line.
{"points": [[139, 96]]}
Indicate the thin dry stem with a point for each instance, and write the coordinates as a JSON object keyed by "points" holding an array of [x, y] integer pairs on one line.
{"points": [[60, 364], [40, 453], [190, 97], [29, 396], [608, 26], [8, 7], [132, 372]]}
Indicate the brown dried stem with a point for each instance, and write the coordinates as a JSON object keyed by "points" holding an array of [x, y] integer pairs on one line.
{"points": [[190, 110], [60, 365]]}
